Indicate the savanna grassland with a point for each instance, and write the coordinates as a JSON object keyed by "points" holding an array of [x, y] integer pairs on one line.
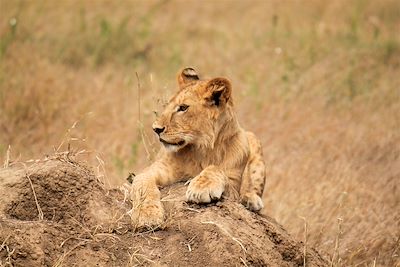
{"points": [[317, 81]]}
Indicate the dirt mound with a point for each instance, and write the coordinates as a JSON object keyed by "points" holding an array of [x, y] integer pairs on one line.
{"points": [[57, 213]]}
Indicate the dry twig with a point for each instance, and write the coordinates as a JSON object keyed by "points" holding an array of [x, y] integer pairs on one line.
{"points": [[226, 231]]}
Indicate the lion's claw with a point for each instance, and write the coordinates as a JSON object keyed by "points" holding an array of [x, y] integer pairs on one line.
{"points": [[204, 190]]}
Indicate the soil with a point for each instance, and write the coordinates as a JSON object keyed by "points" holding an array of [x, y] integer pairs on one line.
{"points": [[56, 213]]}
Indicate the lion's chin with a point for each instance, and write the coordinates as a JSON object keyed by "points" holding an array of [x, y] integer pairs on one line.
{"points": [[173, 147]]}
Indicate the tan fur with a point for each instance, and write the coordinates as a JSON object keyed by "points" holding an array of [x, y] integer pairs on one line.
{"points": [[203, 140]]}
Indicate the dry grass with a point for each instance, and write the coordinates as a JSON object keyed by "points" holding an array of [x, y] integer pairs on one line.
{"points": [[317, 81], [7, 261]]}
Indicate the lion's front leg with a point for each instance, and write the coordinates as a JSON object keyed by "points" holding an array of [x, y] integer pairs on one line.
{"points": [[207, 186], [147, 210]]}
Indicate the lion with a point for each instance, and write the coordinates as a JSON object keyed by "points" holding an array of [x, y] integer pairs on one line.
{"points": [[202, 140]]}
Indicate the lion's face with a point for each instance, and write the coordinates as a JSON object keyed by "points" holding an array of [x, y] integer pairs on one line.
{"points": [[195, 114]]}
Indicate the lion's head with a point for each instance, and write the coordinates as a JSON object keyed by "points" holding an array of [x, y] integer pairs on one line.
{"points": [[196, 114]]}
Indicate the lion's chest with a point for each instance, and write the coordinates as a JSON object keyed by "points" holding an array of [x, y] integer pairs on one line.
{"points": [[193, 164]]}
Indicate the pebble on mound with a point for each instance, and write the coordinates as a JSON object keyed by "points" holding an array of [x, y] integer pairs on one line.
{"points": [[56, 213]]}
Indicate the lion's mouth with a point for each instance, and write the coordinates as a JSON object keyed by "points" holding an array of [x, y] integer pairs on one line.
{"points": [[180, 143]]}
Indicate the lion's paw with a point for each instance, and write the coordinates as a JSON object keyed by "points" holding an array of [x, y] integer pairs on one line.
{"points": [[203, 189], [148, 216], [252, 201]]}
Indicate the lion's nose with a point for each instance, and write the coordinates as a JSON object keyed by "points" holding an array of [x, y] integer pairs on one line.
{"points": [[158, 130]]}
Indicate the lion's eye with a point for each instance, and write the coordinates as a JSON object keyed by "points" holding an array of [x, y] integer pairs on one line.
{"points": [[182, 108]]}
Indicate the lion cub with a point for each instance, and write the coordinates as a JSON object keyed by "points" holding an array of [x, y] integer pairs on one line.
{"points": [[201, 139]]}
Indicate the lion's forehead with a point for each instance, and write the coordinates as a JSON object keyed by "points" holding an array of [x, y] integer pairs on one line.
{"points": [[186, 96]]}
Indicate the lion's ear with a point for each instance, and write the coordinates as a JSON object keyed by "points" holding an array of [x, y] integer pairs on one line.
{"points": [[218, 91], [186, 76]]}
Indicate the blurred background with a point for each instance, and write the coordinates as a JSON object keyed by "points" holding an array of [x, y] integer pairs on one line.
{"points": [[317, 81]]}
